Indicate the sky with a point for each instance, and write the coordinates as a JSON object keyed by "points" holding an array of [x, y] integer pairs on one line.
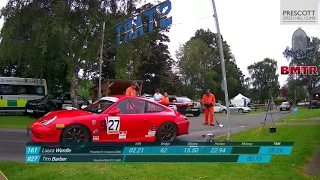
{"points": [[251, 28]]}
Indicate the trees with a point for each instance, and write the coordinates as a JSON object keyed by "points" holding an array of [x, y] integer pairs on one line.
{"points": [[146, 58], [264, 76], [295, 90], [200, 65], [52, 38]]}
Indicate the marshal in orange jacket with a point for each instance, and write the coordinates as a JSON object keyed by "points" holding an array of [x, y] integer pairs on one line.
{"points": [[207, 99]]}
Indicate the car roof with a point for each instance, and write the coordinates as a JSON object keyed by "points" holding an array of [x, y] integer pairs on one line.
{"points": [[121, 97]]}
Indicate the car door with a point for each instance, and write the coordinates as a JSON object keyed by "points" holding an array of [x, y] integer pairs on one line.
{"points": [[155, 115], [217, 107], [129, 124], [232, 108]]}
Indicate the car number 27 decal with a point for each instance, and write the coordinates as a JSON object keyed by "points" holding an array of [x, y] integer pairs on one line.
{"points": [[112, 125]]}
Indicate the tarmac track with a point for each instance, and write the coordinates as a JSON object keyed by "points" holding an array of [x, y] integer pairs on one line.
{"points": [[13, 141]]}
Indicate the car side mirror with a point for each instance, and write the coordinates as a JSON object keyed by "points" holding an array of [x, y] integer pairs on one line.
{"points": [[114, 111]]}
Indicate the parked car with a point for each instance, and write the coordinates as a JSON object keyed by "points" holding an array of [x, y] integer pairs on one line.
{"points": [[285, 106], [239, 109], [193, 107], [219, 108], [52, 103], [315, 104]]}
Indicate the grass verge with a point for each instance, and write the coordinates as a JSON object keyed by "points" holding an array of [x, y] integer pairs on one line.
{"points": [[304, 115], [15, 121], [281, 166]]}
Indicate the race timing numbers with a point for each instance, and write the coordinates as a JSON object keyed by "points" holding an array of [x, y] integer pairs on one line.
{"points": [[177, 150], [275, 150], [147, 158], [136, 150], [253, 159], [33, 158], [153, 150], [33, 149]]}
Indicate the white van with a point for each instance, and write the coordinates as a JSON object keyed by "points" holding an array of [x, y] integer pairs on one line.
{"points": [[15, 92]]}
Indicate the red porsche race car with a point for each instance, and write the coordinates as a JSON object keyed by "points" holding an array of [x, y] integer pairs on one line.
{"points": [[112, 119]]}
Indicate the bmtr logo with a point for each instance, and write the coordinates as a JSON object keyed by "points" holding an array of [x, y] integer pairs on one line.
{"points": [[300, 52], [304, 70]]}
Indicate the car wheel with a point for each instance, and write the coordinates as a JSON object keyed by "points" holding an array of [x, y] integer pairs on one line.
{"points": [[224, 111], [76, 133], [197, 114], [167, 132], [240, 111]]}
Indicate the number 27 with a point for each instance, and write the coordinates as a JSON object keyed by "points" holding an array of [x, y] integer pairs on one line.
{"points": [[111, 123], [103, 126]]}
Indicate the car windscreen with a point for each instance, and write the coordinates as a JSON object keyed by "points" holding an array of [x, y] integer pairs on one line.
{"points": [[183, 99], [99, 106]]}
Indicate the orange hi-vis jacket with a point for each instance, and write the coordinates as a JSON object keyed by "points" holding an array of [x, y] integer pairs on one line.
{"points": [[164, 100], [130, 91], [208, 99]]}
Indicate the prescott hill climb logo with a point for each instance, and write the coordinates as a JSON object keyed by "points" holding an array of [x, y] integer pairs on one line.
{"points": [[302, 12], [300, 51]]}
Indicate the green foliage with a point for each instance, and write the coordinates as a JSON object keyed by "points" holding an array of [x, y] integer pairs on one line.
{"points": [[295, 89], [200, 66], [263, 77], [85, 88]]}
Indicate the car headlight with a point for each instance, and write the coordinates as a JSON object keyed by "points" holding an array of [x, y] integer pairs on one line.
{"points": [[197, 105], [46, 122]]}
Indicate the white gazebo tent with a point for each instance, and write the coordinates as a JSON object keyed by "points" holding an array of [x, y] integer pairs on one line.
{"points": [[240, 100]]}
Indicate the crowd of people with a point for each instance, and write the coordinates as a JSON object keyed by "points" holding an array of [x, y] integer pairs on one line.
{"points": [[208, 101]]}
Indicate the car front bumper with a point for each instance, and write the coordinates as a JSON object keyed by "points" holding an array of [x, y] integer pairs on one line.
{"points": [[191, 110], [35, 109], [42, 133]]}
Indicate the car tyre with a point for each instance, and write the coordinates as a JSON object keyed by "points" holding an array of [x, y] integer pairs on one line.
{"points": [[240, 111], [197, 114], [75, 133], [168, 128], [224, 111]]}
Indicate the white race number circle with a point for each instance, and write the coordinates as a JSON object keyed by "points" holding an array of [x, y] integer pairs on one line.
{"points": [[113, 125]]}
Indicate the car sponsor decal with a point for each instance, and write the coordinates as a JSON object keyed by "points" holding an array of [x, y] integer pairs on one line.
{"points": [[59, 126], [94, 122], [95, 131], [151, 133], [123, 135], [113, 125], [95, 138]]}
